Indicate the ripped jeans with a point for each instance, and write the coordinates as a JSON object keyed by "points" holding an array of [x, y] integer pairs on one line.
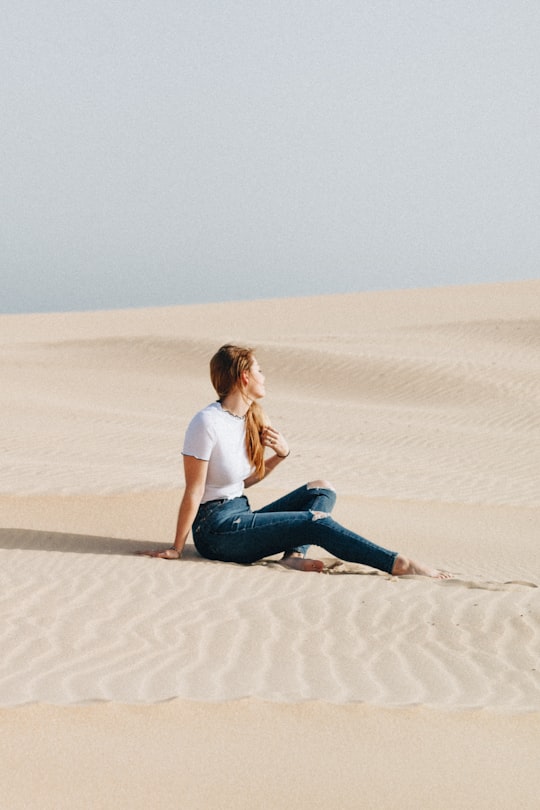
{"points": [[230, 531]]}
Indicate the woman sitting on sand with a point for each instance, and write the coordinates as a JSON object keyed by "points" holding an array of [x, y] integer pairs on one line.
{"points": [[224, 451]]}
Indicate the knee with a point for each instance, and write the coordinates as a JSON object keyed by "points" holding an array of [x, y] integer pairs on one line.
{"points": [[320, 484], [317, 515]]}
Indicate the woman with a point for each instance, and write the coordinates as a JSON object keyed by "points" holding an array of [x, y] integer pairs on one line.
{"points": [[224, 452]]}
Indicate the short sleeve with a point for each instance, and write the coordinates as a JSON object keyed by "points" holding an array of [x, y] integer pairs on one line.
{"points": [[200, 437]]}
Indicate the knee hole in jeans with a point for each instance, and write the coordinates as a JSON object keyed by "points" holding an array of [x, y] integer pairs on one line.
{"points": [[316, 515], [320, 484]]}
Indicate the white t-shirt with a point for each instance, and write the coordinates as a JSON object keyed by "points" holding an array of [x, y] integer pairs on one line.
{"points": [[219, 437]]}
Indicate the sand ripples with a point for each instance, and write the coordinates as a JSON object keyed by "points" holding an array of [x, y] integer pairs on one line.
{"points": [[149, 630]]}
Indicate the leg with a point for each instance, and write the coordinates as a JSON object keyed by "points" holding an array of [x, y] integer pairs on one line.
{"points": [[318, 496], [321, 497], [240, 535], [236, 534]]}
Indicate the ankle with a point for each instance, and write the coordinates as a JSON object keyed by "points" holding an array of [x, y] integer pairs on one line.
{"points": [[401, 565]]}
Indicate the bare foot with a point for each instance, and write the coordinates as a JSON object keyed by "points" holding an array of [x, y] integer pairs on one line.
{"points": [[403, 567], [300, 563]]}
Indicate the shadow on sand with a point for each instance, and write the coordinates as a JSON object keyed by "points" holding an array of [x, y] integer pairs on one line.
{"points": [[32, 540]]}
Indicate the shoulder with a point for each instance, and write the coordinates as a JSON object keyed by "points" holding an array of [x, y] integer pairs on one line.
{"points": [[206, 418], [201, 434]]}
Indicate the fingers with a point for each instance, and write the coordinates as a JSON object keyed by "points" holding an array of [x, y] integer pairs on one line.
{"points": [[270, 436], [168, 554]]}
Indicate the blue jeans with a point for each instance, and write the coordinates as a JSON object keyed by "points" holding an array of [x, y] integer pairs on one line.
{"points": [[230, 531]]}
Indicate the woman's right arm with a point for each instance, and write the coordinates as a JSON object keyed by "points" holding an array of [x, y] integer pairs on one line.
{"points": [[195, 471]]}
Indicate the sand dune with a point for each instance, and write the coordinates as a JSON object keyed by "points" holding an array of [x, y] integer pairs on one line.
{"points": [[445, 411], [423, 409]]}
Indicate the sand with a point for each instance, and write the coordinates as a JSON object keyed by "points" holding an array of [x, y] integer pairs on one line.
{"points": [[131, 682]]}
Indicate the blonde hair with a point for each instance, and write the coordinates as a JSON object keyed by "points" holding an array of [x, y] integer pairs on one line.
{"points": [[226, 368]]}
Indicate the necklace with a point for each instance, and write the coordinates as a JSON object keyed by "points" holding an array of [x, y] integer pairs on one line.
{"points": [[236, 415]]}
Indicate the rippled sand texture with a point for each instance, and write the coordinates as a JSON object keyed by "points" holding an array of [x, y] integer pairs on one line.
{"points": [[422, 407], [92, 625]]}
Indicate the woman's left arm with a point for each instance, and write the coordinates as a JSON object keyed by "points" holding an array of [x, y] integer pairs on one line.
{"points": [[270, 437]]}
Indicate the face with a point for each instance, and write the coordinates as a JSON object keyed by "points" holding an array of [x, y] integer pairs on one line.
{"points": [[255, 381]]}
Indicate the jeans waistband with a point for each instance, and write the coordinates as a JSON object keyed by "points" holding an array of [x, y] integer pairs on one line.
{"points": [[219, 501]]}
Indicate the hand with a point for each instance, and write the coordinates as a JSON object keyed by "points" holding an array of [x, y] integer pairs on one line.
{"points": [[167, 554], [272, 438]]}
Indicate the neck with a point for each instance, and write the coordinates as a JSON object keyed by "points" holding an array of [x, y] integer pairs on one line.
{"points": [[236, 403]]}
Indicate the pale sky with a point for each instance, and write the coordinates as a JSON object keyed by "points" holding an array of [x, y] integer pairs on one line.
{"points": [[159, 152]]}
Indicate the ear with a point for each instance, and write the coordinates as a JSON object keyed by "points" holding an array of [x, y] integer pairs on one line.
{"points": [[244, 378]]}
